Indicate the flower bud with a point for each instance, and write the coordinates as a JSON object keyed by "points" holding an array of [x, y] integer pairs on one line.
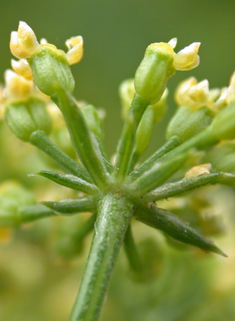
{"points": [[159, 64], [12, 196], [126, 93], [24, 118], [144, 130], [222, 158], [154, 71], [160, 107], [93, 119], [187, 123], [223, 125], [222, 100], [51, 70]]}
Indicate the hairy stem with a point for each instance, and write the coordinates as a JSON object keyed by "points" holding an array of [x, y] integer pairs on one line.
{"points": [[114, 214]]}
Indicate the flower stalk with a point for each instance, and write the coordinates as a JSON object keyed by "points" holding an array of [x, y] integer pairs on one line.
{"points": [[113, 219]]}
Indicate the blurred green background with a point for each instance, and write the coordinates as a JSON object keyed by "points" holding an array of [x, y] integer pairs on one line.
{"points": [[116, 34], [34, 283]]}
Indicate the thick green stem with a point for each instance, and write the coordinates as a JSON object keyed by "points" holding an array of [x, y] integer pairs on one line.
{"points": [[114, 214]]}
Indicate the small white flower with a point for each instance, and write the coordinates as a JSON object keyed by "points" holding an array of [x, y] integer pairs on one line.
{"points": [[23, 43], [22, 68], [75, 52], [17, 87], [187, 58]]}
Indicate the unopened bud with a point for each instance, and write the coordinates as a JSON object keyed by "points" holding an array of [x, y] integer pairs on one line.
{"points": [[223, 125], [51, 70], [93, 119], [159, 64], [186, 123], [24, 118], [160, 107], [126, 93], [154, 71], [12, 196]]}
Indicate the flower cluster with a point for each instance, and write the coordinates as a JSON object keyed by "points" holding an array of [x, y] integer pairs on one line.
{"points": [[202, 127]]}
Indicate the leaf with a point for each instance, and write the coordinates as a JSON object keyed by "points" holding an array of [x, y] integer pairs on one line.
{"points": [[70, 181], [183, 186], [72, 206], [173, 226], [35, 212], [41, 141]]}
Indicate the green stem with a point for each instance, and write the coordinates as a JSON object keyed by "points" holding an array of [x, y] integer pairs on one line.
{"points": [[171, 144], [167, 165], [84, 142], [114, 214], [143, 135], [41, 141], [107, 163], [156, 175], [134, 159], [201, 141], [127, 140]]}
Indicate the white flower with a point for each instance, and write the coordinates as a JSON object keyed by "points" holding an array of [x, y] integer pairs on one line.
{"points": [[75, 52], [22, 68], [187, 58], [23, 43], [17, 87]]}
